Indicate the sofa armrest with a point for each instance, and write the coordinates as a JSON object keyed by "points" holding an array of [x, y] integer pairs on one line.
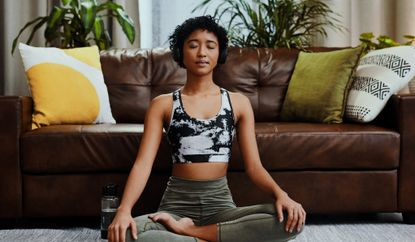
{"points": [[404, 106], [15, 119]]}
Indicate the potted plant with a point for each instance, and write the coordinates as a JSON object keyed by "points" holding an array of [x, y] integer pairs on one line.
{"points": [[383, 41], [78, 23], [274, 23]]}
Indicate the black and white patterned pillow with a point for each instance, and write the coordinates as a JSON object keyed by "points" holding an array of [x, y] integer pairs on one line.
{"points": [[380, 74]]}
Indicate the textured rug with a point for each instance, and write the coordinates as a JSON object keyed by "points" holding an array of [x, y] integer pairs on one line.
{"points": [[367, 228], [362, 228]]}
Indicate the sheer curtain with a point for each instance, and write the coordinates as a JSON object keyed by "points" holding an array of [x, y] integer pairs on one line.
{"points": [[382, 17], [15, 14]]}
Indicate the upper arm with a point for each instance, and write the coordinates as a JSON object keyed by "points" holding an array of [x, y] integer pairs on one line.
{"points": [[153, 129], [246, 131]]}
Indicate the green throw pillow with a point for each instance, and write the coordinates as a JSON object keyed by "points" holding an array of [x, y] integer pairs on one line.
{"points": [[318, 88]]}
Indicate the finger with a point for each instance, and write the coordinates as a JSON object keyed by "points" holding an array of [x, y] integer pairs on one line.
{"points": [[280, 213], [133, 230], [303, 215], [300, 221], [294, 222], [122, 231], [289, 219], [109, 235], [116, 234]]}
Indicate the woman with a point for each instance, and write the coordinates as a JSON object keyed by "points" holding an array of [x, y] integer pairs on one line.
{"points": [[197, 204]]}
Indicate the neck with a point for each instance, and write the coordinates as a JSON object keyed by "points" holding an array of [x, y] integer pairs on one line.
{"points": [[198, 84]]}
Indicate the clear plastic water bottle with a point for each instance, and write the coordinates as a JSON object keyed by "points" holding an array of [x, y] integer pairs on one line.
{"points": [[109, 205]]}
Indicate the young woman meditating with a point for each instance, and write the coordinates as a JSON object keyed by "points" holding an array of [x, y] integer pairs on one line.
{"points": [[200, 120]]}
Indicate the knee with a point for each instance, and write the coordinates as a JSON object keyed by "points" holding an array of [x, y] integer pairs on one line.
{"points": [[143, 224]]}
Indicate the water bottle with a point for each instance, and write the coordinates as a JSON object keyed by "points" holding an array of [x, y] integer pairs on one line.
{"points": [[109, 205]]}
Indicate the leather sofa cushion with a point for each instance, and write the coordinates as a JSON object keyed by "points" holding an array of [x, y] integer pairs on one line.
{"points": [[312, 146], [85, 148], [135, 77], [300, 146]]}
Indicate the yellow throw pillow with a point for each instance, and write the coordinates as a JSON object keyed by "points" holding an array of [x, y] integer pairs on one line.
{"points": [[318, 88], [67, 85]]}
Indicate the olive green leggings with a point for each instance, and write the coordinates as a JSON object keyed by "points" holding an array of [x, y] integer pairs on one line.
{"points": [[210, 202]]}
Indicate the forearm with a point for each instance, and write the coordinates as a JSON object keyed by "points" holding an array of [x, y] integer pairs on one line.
{"points": [[263, 180], [135, 185]]}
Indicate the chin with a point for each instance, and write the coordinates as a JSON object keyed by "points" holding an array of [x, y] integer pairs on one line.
{"points": [[200, 72]]}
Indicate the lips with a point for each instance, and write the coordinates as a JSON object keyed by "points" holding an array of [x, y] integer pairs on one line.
{"points": [[202, 62]]}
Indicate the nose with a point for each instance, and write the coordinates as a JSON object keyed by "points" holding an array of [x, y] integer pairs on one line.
{"points": [[202, 51]]}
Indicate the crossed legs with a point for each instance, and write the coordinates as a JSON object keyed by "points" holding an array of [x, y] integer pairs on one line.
{"points": [[251, 223]]}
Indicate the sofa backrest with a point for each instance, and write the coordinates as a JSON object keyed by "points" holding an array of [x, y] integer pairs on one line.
{"points": [[135, 76]]}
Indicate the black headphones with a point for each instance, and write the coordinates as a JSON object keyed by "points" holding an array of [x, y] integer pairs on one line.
{"points": [[222, 55], [177, 56]]}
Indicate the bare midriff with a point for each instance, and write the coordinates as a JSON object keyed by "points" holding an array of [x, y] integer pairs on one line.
{"points": [[200, 171]]}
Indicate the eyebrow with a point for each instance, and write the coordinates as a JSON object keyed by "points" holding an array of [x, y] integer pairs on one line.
{"points": [[208, 41]]}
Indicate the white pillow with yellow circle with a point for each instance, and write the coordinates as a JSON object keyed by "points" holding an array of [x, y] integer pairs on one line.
{"points": [[67, 85]]}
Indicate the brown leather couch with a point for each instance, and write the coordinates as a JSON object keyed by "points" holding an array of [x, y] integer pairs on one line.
{"points": [[58, 171]]}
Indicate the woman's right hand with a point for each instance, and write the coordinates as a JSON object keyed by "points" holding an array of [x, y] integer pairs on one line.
{"points": [[118, 228]]}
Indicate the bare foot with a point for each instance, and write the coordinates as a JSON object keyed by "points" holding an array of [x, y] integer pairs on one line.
{"points": [[176, 226]]}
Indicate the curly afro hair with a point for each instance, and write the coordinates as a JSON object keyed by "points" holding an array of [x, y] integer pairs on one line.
{"points": [[183, 31]]}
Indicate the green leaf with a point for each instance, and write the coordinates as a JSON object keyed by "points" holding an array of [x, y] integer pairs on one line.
{"points": [[35, 28], [65, 2], [34, 21], [98, 28], [108, 6], [74, 4], [368, 35], [88, 13], [54, 22], [127, 24], [123, 19], [105, 42]]}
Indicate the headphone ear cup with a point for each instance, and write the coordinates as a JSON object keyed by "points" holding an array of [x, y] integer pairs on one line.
{"points": [[223, 55]]}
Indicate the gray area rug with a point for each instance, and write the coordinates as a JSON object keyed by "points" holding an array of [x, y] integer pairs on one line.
{"points": [[362, 228]]}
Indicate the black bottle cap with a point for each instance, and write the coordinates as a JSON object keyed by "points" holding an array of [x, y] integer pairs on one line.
{"points": [[110, 190]]}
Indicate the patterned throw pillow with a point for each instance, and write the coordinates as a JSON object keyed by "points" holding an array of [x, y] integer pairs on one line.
{"points": [[380, 74], [67, 86]]}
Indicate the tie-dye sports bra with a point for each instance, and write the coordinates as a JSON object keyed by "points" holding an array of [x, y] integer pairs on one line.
{"points": [[201, 140]]}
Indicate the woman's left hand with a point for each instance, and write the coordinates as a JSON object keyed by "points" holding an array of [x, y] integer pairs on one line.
{"points": [[296, 213]]}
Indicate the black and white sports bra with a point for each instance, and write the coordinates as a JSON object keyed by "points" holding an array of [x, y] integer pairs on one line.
{"points": [[201, 140]]}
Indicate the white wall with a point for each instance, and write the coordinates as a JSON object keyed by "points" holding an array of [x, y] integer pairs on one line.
{"points": [[382, 17]]}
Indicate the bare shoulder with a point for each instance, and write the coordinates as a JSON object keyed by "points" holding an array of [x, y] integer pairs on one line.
{"points": [[161, 105], [240, 104], [238, 99], [162, 101]]}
